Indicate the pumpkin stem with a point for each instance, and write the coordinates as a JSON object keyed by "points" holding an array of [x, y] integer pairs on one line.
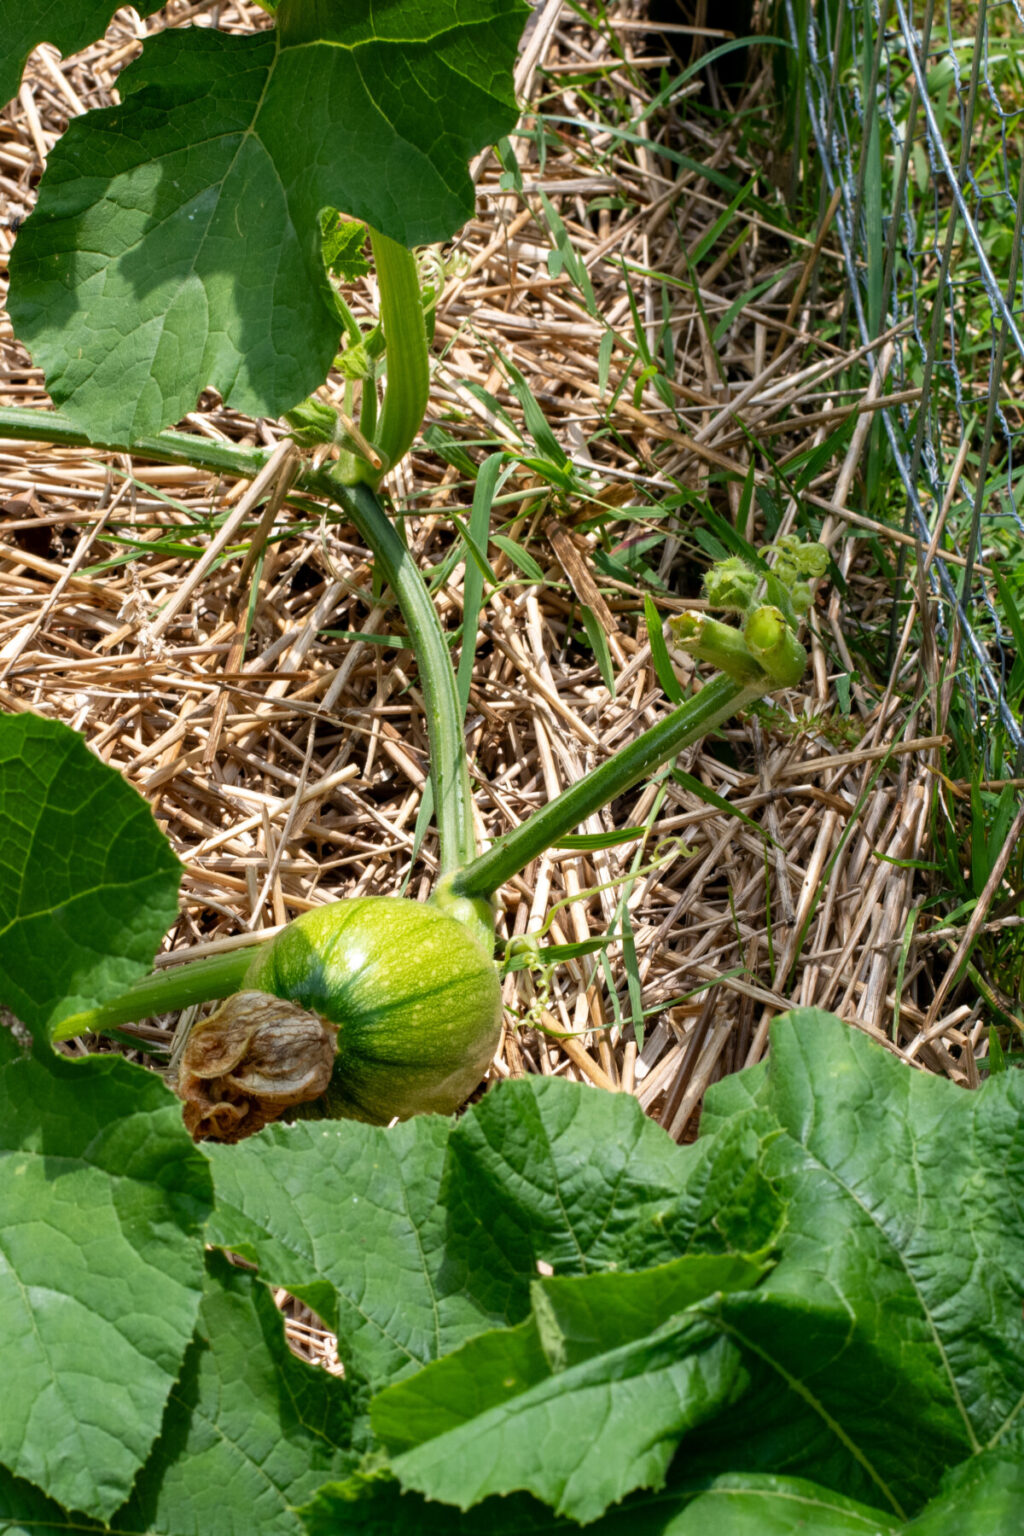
{"points": [[164, 991], [449, 772], [690, 721]]}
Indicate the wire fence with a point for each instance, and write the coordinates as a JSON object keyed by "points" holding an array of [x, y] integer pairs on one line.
{"points": [[917, 114]]}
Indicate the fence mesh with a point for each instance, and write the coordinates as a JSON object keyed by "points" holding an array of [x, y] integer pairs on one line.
{"points": [[917, 113]]}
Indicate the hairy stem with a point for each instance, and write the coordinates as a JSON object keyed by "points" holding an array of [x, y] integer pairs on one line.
{"points": [[693, 719], [448, 768], [25, 425], [719, 645], [165, 991]]}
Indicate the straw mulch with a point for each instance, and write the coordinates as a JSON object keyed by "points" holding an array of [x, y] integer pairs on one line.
{"points": [[292, 775]]}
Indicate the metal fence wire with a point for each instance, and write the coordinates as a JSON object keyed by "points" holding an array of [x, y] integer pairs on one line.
{"points": [[917, 114]]}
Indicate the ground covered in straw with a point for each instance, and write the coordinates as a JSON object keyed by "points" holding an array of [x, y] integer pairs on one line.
{"points": [[269, 710]]}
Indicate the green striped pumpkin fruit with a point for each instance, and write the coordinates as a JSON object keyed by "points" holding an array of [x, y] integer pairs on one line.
{"points": [[373, 1008]]}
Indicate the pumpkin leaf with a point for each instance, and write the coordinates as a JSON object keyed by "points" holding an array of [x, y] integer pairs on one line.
{"points": [[413, 1240], [70, 27], [637, 1402], [736, 1504], [620, 1352], [102, 1203], [176, 239], [249, 1432], [88, 882], [897, 1297], [984, 1493]]}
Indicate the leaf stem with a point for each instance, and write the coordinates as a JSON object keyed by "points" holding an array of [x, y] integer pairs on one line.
{"points": [[25, 425], [691, 720], [180, 986], [449, 771]]}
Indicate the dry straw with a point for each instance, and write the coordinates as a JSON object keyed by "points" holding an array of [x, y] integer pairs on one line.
{"points": [[286, 763]]}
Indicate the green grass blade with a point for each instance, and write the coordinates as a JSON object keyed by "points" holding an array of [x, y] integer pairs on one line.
{"points": [[473, 589], [599, 645], [663, 668]]}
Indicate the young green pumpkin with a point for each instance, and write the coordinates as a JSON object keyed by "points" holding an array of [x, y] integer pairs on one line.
{"points": [[371, 1008]]}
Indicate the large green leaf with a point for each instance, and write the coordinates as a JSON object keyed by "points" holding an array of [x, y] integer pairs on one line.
{"points": [[579, 1316], [579, 1439], [24, 1511], [349, 1218], [575, 1319], [412, 1240], [745, 1504], [68, 24], [102, 1204], [888, 1343], [735, 1504], [176, 242], [584, 1181], [250, 1431], [88, 882], [981, 1495], [615, 1355]]}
